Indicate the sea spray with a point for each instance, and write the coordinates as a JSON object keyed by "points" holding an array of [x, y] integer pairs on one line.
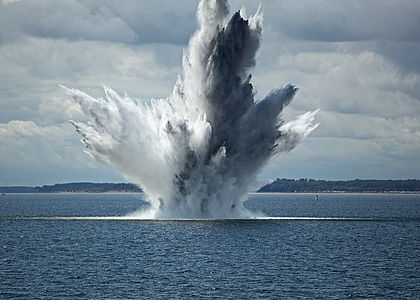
{"points": [[196, 153]]}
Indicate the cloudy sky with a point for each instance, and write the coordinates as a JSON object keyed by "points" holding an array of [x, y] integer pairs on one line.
{"points": [[358, 61]]}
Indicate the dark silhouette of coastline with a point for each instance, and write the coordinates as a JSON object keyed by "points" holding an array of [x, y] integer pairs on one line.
{"points": [[305, 185], [283, 185], [75, 187]]}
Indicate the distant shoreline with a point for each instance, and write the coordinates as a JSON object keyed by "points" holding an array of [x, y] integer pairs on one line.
{"points": [[307, 186], [249, 193], [335, 192], [75, 187]]}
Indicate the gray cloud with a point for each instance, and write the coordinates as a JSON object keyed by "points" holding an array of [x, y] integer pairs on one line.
{"points": [[328, 20], [405, 55], [130, 22], [389, 28]]}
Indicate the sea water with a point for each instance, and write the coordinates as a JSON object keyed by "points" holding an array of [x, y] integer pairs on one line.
{"points": [[368, 249]]}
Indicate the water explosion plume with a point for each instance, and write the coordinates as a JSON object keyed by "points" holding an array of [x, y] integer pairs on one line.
{"points": [[196, 153]]}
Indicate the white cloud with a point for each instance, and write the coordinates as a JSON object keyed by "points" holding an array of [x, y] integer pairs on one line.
{"points": [[24, 142], [49, 58], [355, 83], [7, 2], [369, 111], [368, 127], [56, 109], [32, 68], [36, 155]]}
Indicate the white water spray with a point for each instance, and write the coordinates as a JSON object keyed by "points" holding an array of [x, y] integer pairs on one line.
{"points": [[196, 153]]}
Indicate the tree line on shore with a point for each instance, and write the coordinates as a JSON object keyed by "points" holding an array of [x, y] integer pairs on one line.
{"points": [[75, 187], [305, 185], [282, 185]]}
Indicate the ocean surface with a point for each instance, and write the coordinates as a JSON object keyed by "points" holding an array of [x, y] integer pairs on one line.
{"points": [[341, 246]]}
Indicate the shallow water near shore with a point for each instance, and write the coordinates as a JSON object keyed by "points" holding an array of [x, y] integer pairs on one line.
{"points": [[339, 246]]}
